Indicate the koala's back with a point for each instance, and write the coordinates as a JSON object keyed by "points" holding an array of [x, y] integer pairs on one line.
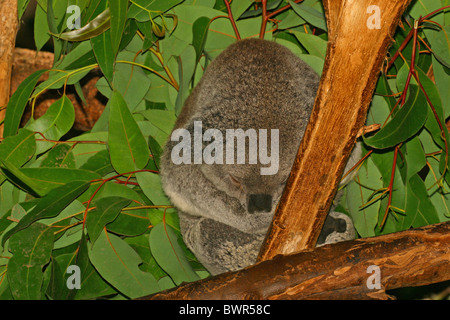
{"points": [[252, 84]]}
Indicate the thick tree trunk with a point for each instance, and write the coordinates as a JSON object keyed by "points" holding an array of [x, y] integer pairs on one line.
{"points": [[345, 270], [8, 31], [354, 57]]}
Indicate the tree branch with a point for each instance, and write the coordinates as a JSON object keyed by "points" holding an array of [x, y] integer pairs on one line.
{"points": [[8, 31], [339, 271], [339, 112]]}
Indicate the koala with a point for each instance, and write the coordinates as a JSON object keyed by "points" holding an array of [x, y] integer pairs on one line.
{"points": [[225, 208]]}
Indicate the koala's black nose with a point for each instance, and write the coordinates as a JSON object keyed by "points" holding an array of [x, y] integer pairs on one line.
{"points": [[259, 203]]}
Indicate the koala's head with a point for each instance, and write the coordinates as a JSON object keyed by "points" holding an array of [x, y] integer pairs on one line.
{"points": [[253, 190]]}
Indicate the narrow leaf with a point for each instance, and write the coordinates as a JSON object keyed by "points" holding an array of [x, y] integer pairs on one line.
{"points": [[310, 14], [107, 209], [315, 45], [31, 250], [406, 122], [169, 255], [97, 26], [50, 205], [200, 32], [18, 102], [118, 9], [103, 50], [18, 149], [119, 264], [127, 146]]}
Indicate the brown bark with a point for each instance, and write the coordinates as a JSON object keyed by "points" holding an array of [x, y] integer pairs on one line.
{"points": [[354, 57], [338, 271], [8, 30]]}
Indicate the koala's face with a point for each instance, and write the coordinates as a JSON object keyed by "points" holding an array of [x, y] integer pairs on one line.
{"points": [[256, 194]]}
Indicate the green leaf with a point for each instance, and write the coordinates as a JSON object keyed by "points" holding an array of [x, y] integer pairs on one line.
{"points": [[31, 250], [119, 264], [21, 6], [131, 81], [60, 156], [100, 162], [56, 122], [51, 178], [142, 10], [18, 102], [426, 213], [41, 35], [127, 146], [169, 254], [18, 149], [200, 32], [84, 151], [415, 157], [119, 9], [443, 85], [315, 45], [107, 209], [50, 205], [129, 222], [311, 15], [438, 195], [440, 44], [358, 196], [239, 7], [150, 184], [79, 57], [406, 122], [18, 178], [57, 288], [186, 67], [103, 50], [97, 26], [430, 88], [92, 284]]}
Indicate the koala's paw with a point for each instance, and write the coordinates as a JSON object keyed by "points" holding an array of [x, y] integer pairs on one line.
{"points": [[337, 227]]}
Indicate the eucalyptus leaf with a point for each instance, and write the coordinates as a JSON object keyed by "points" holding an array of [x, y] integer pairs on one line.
{"points": [[119, 264], [127, 146], [313, 16], [103, 50], [107, 209], [18, 102], [60, 156], [31, 250], [315, 45], [50, 205], [143, 10], [51, 178], [118, 10], [97, 26], [18, 149], [169, 254], [407, 122]]}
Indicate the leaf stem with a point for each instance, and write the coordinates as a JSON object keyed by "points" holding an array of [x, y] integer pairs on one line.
{"points": [[230, 16]]}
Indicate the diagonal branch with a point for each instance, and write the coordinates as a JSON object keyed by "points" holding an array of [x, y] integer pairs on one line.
{"points": [[339, 112], [8, 30], [345, 270]]}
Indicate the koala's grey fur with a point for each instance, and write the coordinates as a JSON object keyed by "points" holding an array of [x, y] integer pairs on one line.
{"points": [[252, 84]]}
